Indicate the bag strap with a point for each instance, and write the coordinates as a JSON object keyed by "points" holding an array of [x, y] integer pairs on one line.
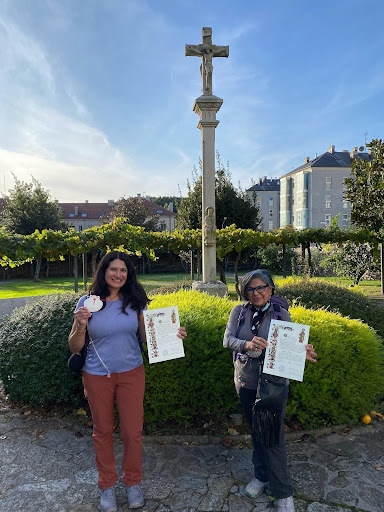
{"points": [[241, 319]]}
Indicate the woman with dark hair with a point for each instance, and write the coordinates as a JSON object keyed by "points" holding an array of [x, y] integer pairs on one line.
{"points": [[114, 371], [245, 335]]}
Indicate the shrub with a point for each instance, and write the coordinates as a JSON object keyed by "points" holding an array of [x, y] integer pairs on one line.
{"points": [[340, 388], [317, 294], [201, 383], [34, 352], [348, 376]]}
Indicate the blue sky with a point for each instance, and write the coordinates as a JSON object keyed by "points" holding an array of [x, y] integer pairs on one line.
{"points": [[96, 96]]}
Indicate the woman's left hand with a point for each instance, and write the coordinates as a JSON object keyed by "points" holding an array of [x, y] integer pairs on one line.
{"points": [[181, 333], [311, 354]]}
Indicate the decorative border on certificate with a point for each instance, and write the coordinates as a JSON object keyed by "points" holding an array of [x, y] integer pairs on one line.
{"points": [[161, 327], [285, 354]]}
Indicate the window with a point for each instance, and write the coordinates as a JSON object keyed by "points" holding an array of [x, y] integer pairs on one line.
{"points": [[271, 201], [80, 228], [71, 215], [271, 224], [344, 184], [328, 183], [101, 214], [345, 220], [271, 213], [258, 202], [327, 201], [159, 211], [84, 214], [327, 219], [345, 204]]}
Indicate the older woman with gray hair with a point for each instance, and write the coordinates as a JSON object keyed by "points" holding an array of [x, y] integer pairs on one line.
{"points": [[246, 334]]}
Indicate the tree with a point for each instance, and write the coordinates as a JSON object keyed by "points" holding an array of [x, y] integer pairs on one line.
{"points": [[28, 208], [136, 211], [233, 206], [351, 260], [365, 189]]}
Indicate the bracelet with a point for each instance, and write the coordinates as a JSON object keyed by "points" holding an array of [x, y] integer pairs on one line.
{"points": [[80, 332]]}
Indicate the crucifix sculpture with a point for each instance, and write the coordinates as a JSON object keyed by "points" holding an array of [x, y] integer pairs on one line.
{"points": [[206, 106], [207, 51]]}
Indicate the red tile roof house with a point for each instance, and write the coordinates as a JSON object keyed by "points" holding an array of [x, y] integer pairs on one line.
{"points": [[85, 215]]}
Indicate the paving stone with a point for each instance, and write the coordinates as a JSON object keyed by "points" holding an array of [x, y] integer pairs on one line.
{"points": [[214, 499], [183, 500], [321, 507], [313, 484], [238, 504], [342, 497]]}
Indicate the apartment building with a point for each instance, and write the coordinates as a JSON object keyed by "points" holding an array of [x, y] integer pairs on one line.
{"points": [[266, 195], [312, 194]]}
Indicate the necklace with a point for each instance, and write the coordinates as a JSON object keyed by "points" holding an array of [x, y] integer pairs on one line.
{"points": [[113, 299]]}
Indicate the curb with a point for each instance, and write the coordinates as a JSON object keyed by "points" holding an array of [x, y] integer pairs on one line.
{"points": [[241, 439]]}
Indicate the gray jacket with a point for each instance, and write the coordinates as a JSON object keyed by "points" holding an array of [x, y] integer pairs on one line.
{"points": [[247, 370]]}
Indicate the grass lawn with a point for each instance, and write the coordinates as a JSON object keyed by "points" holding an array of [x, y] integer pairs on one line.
{"points": [[25, 288]]}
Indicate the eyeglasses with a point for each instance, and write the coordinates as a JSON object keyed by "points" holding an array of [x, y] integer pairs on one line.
{"points": [[258, 289]]}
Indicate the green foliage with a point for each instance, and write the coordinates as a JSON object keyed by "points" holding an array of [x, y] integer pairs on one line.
{"points": [[343, 385], [352, 260], [340, 387], [136, 212], [29, 207], [271, 257], [201, 383], [34, 352], [365, 189], [232, 205], [316, 294]]}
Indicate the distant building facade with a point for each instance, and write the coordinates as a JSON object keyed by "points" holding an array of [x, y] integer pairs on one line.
{"points": [[86, 215], [266, 196], [312, 194]]}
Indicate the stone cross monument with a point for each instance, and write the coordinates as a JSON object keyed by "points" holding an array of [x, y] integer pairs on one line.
{"points": [[206, 106]]}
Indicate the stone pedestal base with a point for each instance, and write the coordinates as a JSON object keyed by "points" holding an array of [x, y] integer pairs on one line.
{"points": [[214, 288]]}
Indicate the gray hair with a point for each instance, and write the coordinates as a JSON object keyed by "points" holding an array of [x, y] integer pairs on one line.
{"points": [[260, 273]]}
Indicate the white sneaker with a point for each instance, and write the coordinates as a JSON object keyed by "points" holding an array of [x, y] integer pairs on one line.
{"points": [[108, 500], [285, 505], [255, 488]]}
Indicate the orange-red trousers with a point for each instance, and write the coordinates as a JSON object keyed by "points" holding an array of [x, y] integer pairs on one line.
{"points": [[127, 389]]}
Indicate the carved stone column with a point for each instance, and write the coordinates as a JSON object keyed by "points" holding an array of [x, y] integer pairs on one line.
{"points": [[207, 107]]}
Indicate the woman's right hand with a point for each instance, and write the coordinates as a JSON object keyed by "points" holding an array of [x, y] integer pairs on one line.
{"points": [[257, 343], [81, 317]]}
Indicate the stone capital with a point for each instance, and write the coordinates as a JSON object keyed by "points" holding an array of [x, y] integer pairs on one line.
{"points": [[207, 103]]}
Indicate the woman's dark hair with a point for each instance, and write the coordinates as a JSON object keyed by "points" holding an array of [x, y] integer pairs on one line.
{"points": [[132, 291], [262, 274]]}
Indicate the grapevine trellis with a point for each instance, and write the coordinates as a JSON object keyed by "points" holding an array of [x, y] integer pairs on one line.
{"points": [[55, 245]]}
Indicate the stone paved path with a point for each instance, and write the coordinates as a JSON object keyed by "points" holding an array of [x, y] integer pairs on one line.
{"points": [[48, 465]]}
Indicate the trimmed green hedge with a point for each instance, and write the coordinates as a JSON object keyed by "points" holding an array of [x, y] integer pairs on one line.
{"points": [[348, 377], [317, 294], [34, 352], [340, 388]]}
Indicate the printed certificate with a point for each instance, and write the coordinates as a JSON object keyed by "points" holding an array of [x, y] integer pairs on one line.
{"points": [[161, 327], [285, 354]]}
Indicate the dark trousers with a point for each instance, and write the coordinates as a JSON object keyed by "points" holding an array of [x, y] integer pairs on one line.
{"points": [[270, 464]]}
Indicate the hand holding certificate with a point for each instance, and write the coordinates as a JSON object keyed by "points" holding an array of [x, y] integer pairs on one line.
{"points": [[161, 327], [286, 352]]}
